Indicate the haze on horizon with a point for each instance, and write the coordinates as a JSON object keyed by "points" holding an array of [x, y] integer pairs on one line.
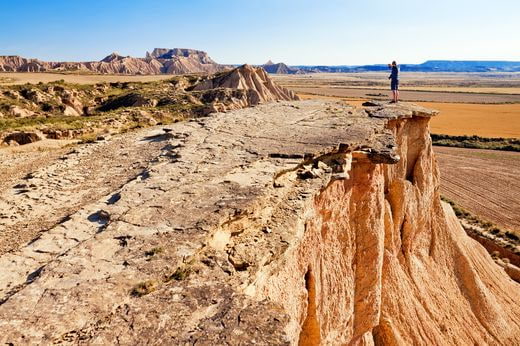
{"points": [[297, 32]]}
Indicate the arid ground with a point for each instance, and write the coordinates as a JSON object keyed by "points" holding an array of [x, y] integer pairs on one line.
{"points": [[8, 78], [486, 105]]}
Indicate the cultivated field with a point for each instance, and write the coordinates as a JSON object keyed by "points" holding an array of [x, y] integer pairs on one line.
{"points": [[484, 182], [502, 120], [412, 96], [427, 87], [476, 82]]}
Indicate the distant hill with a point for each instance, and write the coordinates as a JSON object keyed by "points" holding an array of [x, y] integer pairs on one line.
{"points": [[159, 61], [428, 66], [279, 68], [464, 66]]}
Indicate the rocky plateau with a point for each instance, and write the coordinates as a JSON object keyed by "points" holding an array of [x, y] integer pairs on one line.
{"points": [[257, 219]]}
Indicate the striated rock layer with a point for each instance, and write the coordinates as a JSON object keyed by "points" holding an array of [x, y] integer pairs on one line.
{"points": [[291, 223], [161, 60], [241, 87]]}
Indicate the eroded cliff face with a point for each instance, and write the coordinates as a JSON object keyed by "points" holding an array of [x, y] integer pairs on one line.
{"points": [[291, 223], [384, 261]]}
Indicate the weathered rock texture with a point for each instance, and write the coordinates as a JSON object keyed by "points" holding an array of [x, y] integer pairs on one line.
{"points": [[246, 85], [161, 60], [287, 223]]}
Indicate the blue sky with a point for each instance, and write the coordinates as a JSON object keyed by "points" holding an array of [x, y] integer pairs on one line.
{"points": [[303, 32]]}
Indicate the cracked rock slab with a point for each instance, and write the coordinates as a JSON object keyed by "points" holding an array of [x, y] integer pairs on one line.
{"points": [[170, 230]]}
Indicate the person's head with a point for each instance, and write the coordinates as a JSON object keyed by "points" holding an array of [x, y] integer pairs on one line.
{"points": [[394, 63]]}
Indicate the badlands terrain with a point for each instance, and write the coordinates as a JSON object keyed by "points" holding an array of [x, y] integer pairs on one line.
{"points": [[221, 209], [159, 61]]}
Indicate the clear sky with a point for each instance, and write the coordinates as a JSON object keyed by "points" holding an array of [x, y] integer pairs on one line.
{"points": [[297, 32]]}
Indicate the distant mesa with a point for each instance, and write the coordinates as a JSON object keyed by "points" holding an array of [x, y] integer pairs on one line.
{"points": [[159, 61]]}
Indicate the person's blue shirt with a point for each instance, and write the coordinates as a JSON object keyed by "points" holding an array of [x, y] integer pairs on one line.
{"points": [[394, 75]]}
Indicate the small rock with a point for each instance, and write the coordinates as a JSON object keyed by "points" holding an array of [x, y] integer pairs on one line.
{"points": [[266, 230]]}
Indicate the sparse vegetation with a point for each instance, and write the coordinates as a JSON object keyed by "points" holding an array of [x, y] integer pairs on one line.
{"points": [[88, 138], [154, 251], [486, 226], [476, 142], [93, 108], [6, 80], [144, 288], [180, 274]]}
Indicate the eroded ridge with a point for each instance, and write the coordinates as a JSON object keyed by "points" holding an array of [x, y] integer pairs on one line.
{"points": [[284, 223]]}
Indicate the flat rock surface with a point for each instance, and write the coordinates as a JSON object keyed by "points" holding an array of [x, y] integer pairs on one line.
{"points": [[88, 275], [39, 189]]}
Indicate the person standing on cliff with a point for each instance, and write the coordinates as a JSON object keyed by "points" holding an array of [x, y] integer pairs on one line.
{"points": [[394, 81]]}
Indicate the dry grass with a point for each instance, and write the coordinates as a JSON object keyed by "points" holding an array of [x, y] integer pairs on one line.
{"points": [[180, 273], [154, 251], [144, 288]]}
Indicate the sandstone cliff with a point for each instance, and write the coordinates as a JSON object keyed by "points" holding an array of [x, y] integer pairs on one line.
{"points": [[161, 60], [287, 223]]}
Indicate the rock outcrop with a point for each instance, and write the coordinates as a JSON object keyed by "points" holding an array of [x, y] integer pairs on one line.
{"points": [[288, 223], [254, 81], [167, 61]]}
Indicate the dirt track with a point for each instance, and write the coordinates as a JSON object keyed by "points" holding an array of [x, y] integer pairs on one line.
{"points": [[484, 182]]}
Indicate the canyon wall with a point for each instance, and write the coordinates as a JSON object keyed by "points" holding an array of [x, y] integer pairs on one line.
{"points": [[288, 223]]}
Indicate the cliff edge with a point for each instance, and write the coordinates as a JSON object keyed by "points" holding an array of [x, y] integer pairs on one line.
{"points": [[296, 222]]}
